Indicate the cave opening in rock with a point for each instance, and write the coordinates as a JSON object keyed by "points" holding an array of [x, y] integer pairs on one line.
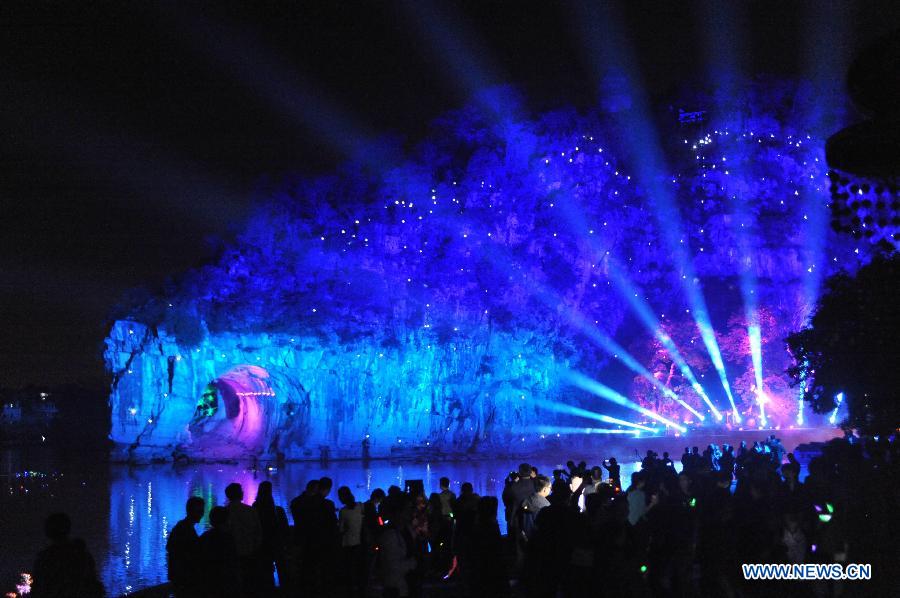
{"points": [[242, 391]]}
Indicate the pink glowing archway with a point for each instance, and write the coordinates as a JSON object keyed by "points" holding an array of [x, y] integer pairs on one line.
{"points": [[237, 422]]}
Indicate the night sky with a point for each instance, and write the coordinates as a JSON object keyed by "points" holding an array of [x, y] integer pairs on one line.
{"points": [[134, 136]]}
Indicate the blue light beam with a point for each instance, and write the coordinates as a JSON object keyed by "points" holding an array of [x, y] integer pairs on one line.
{"points": [[601, 390], [501, 259], [640, 307], [574, 218], [587, 414], [551, 430], [608, 48]]}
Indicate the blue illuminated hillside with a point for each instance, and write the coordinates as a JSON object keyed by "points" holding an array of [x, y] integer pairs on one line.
{"points": [[442, 301]]}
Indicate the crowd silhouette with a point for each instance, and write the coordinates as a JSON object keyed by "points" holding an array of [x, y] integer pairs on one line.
{"points": [[573, 533]]}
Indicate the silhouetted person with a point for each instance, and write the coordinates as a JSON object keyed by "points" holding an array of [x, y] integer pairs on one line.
{"points": [[726, 461], [372, 520], [649, 462], [330, 539], [350, 523], [686, 464], [518, 491], [315, 536], [397, 558], [613, 468], [243, 522], [221, 565], [303, 509], [467, 501], [366, 454], [274, 526], [530, 508], [576, 487], [637, 498], [465, 514], [666, 461], [65, 569], [488, 576], [443, 532], [306, 512], [183, 551], [549, 553]]}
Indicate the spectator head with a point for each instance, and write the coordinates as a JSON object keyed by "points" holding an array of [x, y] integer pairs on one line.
{"points": [[612, 461], [397, 509], [394, 490], [346, 497], [524, 470], [596, 474], [218, 517], [695, 450], [445, 483], [638, 480], [57, 527], [723, 479], [559, 493], [575, 481], [570, 465], [194, 509], [377, 495], [325, 485], [592, 504], [234, 493], [312, 487], [487, 509], [466, 488], [684, 483], [542, 486], [264, 492], [534, 472]]}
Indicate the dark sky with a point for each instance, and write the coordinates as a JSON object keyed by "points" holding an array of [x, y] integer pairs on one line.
{"points": [[132, 135]]}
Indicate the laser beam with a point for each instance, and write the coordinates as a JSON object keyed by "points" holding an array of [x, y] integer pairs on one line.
{"points": [[601, 390], [549, 430], [578, 411]]}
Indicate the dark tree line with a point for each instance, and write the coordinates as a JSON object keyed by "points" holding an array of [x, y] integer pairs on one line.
{"points": [[851, 347]]}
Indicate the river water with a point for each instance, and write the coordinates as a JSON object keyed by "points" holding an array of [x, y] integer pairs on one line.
{"points": [[124, 513]]}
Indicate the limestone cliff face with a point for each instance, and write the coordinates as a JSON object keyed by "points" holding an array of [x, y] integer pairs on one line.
{"points": [[268, 395]]}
